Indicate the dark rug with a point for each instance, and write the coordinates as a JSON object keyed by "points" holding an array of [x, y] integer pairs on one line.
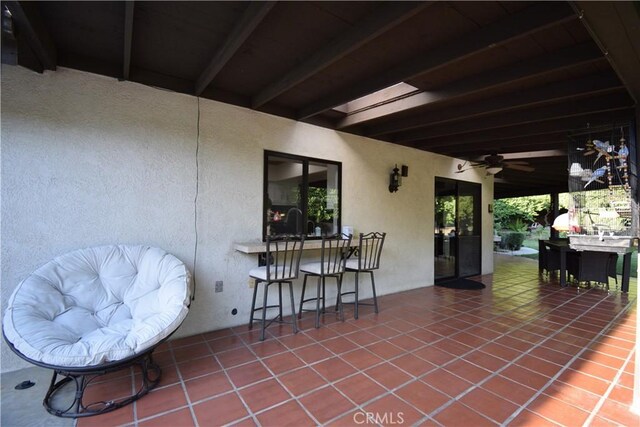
{"points": [[461, 284]]}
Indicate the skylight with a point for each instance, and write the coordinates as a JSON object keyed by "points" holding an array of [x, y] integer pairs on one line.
{"points": [[381, 97]]}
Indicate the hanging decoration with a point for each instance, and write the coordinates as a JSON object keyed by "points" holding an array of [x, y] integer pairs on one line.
{"points": [[599, 181]]}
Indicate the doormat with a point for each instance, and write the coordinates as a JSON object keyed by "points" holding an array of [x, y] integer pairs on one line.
{"points": [[462, 284]]}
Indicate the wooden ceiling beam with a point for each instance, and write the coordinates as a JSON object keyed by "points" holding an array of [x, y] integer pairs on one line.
{"points": [[573, 56], [531, 129], [614, 27], [503, 191], [507, 28], [253, 15], [532, 179], [384, 18], [553, 92], [129, 6], [30, 25], [573, 108]]}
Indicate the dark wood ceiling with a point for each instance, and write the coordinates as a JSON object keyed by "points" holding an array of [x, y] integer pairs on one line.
{"points": [[487, 77]]}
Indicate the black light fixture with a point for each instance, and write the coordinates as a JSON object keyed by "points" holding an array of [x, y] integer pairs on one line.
{"points": [[395, 179]]}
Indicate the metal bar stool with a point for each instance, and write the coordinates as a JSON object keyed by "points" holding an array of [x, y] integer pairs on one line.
{"points": [[369, 250], [282, 264], [332, 264]]}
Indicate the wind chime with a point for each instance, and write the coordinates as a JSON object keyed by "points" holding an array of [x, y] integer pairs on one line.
{"points": [[623, 154]]}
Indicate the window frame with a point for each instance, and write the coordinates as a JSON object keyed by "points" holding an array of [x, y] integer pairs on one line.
{"points": [[304, 193]]}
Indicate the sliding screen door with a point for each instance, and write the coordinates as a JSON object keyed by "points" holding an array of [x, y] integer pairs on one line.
{"points": [[457, 229]]}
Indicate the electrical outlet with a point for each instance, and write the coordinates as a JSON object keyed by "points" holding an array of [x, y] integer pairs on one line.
{"points": [[252, 283], [219, 286]]}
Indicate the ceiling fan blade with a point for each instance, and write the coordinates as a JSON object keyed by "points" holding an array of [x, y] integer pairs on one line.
{"points": [[477, 164], [516, 162], [522, 168]]}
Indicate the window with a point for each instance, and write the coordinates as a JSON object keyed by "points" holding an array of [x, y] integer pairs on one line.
{"points": [[301, 195]]}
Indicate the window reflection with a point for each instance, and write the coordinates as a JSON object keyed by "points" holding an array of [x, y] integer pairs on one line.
{"points": [[301, 196]]}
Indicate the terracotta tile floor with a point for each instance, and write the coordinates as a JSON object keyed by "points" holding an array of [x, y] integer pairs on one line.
{"points": [[523, 351]]}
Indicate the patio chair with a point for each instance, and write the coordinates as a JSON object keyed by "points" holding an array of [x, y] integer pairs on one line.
{"points": [[95, 311], [612, 271], [549, 259], [332, 264], [282, 265], [368, 260], [591, 266]]}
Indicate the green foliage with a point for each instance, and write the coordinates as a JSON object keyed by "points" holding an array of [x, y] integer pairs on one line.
{"points": [[445, 211], [513, 240], [517, 225], [524, 209], [465, 214], [319, 199]]}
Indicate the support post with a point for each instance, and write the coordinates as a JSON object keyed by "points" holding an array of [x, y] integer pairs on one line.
{"points": [[634, 161], [555, 209]]}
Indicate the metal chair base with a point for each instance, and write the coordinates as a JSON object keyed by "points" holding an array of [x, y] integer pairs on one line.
{"points": [[82, 378], [320, 288], [356, 303], [264, 323]]}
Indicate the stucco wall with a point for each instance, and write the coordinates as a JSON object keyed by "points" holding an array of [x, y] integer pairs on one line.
{"points": [[88, 160]]}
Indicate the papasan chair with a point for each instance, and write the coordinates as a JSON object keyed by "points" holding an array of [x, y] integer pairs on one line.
{"points": [[94, 311]]}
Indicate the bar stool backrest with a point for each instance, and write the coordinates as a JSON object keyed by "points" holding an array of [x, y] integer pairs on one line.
{"points": [[369, 250], [334, 253], [283, 254]]}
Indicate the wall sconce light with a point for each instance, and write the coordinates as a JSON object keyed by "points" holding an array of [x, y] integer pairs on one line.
{"points": [[395, 179]]}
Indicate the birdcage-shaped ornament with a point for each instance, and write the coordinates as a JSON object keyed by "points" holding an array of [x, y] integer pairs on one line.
{"points": [[600, 191]]}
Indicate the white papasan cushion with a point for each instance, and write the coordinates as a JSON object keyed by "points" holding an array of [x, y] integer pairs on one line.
{"points": [[98, 305]]}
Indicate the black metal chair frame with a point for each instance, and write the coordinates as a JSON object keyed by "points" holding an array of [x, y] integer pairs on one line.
{"points": [[82, 377], [281, 251], [549, 258], [588, 266], [368, 252], [333, 256]]}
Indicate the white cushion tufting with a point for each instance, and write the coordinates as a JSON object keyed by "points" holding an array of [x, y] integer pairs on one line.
{"points": [[276, 273], [98, 305], [316, 268], [352, 264]]}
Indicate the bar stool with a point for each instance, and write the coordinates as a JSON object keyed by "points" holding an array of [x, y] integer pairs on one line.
{"points": [[282, 263], [332, 264], [369, 250]]}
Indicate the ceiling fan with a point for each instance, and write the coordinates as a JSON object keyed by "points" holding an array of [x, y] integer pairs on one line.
{"points": [[494, 163]]}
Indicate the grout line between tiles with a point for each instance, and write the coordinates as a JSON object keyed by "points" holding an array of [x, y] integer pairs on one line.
{"points": [[613, 384], [466, 302], [413, 377], [573, 359], [513, 362]]}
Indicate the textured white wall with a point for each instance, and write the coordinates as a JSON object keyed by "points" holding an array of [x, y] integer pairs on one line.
{"points": [[87, 160]]}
